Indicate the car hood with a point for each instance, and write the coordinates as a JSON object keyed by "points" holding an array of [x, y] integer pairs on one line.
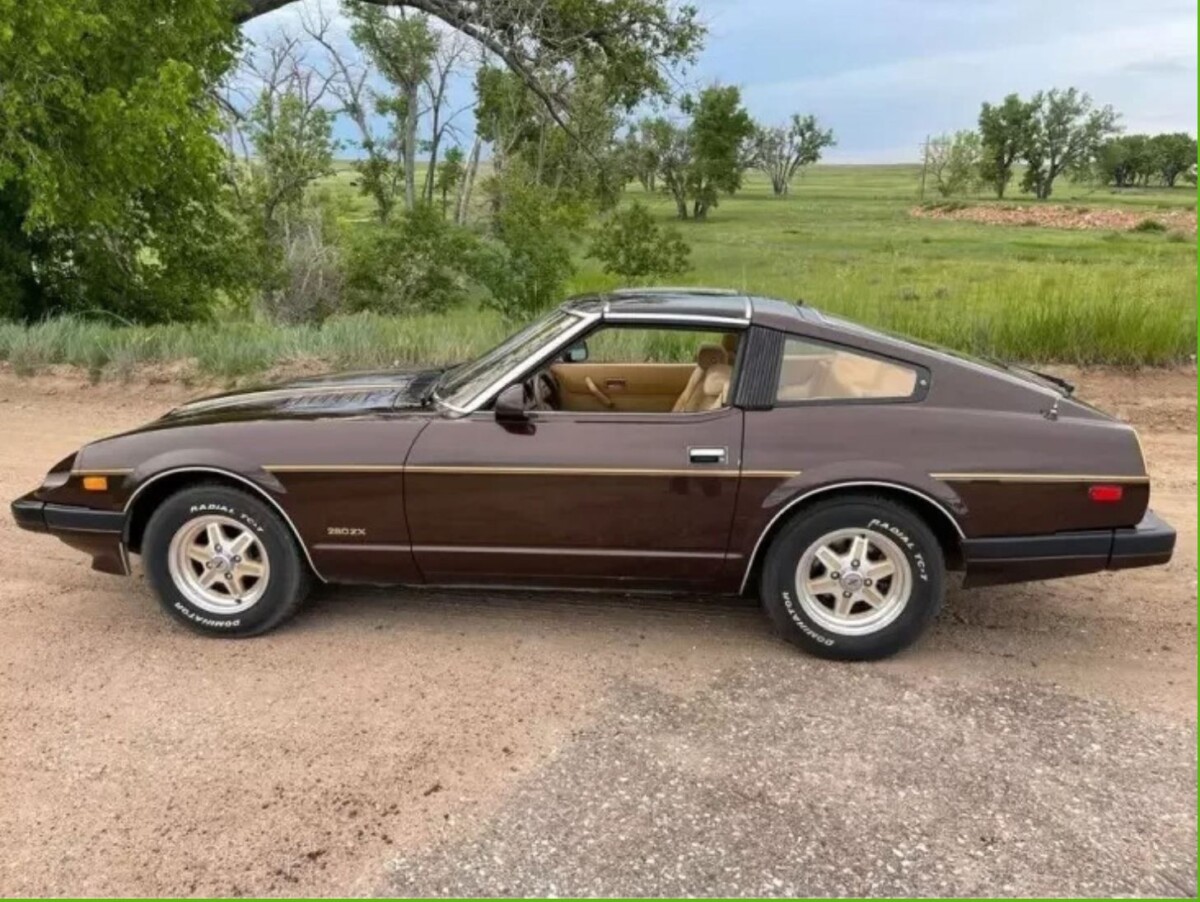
{"points": [[334, 395]]}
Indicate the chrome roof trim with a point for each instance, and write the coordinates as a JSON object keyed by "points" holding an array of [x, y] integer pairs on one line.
{"points": [[675, 289], [686, 318], [586, 320]]}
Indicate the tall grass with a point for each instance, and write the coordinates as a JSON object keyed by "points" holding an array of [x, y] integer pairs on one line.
{"points": [[843, 240], [1054, 325]]}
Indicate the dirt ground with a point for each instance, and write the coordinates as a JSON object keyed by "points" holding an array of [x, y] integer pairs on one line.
{"points": [[1041, 740], [1063, 216]]}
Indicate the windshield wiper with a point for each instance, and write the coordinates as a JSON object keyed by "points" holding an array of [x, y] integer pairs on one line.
{"points": [[431, 389]]}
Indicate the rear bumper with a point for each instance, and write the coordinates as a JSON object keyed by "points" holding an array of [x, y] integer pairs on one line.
{"points": [[1009, 559], [96, 532]]}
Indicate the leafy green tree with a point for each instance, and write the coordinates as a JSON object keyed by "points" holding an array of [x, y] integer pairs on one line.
{"points": [[640, 155], [402, 46], [630, 44], [780, 151], [293, 147], [111, 188], [720, 130], [535, 231], [1175, 155], [700, 159], [1064, 134], [671, 146], [630, 243], [1125, 161], [417, 263], [953, 162], [449, 175], [1004, 131]]}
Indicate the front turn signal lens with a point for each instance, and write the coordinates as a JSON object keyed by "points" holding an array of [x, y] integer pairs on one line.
{"points": [[95, 483], [1106, 494]]}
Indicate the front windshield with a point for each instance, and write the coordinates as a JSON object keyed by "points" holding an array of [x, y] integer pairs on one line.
{"points": [[457, 387]]}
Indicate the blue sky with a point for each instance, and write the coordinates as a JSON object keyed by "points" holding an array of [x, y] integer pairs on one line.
{"points": [[884, 73]]}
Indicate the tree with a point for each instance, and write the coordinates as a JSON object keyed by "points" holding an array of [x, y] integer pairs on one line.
{"points": [[1125, 161], [535, 231], [290, 131], [671, 145], [630, 43], [1175, 155], [780, 151], [449, 174], [444, 65], [630, 244], [112, 192], [952, 162], [1004, 132], [1063, 136], [720, 130], [640, 155], [402, 47], [700, 159]]}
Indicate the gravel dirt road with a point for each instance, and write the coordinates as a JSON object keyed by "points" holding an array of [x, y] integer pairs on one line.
{"points": [[1042, 740]]}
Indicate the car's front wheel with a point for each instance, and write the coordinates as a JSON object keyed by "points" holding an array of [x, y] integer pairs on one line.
{"points": [[222, 562], [853, 578]]}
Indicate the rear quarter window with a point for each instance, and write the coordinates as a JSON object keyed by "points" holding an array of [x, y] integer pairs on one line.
{"points": [[811, 371]]}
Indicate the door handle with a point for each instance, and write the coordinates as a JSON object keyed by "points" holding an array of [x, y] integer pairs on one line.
{"points": [[614, 384], [707, 455]]}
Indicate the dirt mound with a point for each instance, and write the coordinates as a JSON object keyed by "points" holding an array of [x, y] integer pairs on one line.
{"points": [[1063, 216]]}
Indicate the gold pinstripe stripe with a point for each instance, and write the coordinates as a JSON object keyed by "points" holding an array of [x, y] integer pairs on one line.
{"points": [[524, 471], [1037, 477], [333, 468], [112, 472]]}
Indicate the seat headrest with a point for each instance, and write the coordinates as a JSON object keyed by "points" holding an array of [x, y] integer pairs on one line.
{"points": [[716, 380], [729, 341], [709, 355]]}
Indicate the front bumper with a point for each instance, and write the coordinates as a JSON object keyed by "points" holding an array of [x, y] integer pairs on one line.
{"points": [[96, 532], [1010, 559]]}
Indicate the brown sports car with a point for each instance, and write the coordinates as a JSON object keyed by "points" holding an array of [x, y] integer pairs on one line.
{"points": [[838, 471]]}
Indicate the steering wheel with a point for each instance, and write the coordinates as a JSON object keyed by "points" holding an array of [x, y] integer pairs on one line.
{"points": [[596, 392], [542, 392]]}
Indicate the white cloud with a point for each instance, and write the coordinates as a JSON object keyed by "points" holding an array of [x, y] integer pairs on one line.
{"points": [[1147, 72]]}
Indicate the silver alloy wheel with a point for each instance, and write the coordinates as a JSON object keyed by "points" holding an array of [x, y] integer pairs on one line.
{"points": [[218, 564], [853, 581]]}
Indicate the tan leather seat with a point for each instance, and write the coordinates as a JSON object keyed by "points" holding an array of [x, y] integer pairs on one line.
{"points": [[707, 356], [840, 375], [729, 341]]}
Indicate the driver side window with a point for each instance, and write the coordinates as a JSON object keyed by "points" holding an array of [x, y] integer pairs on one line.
{"points": [[646, 371]]}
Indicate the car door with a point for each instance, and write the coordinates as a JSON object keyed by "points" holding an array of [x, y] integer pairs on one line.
{"points": [[575, 498]]}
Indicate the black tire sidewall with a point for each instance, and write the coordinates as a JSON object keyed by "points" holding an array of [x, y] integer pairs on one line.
{"points": [[911, 535], [284, 586]]}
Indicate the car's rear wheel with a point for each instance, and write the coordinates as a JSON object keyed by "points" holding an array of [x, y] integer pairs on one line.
{"points": [[853, 578], [222, 562]]}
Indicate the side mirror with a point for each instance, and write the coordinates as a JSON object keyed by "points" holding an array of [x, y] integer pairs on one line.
{"points": [[510, 405], [576, 353]]}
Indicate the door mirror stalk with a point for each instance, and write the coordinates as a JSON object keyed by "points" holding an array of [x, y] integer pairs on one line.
{"points": [[510, 405]]}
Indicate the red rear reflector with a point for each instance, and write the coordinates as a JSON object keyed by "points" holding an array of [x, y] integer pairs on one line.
{"points": [[1105, 493]]}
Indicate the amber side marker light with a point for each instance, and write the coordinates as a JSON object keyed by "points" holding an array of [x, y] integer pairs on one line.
{"points": [[1106, 494], [95, 483]]}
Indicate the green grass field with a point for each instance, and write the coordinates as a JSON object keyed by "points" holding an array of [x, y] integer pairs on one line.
{"points": [[843, 241]]}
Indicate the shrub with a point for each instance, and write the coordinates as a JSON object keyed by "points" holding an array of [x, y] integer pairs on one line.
{"points": [[1149, 225], [629, 243], [418, 263], [308, 279], [535, 228]]}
